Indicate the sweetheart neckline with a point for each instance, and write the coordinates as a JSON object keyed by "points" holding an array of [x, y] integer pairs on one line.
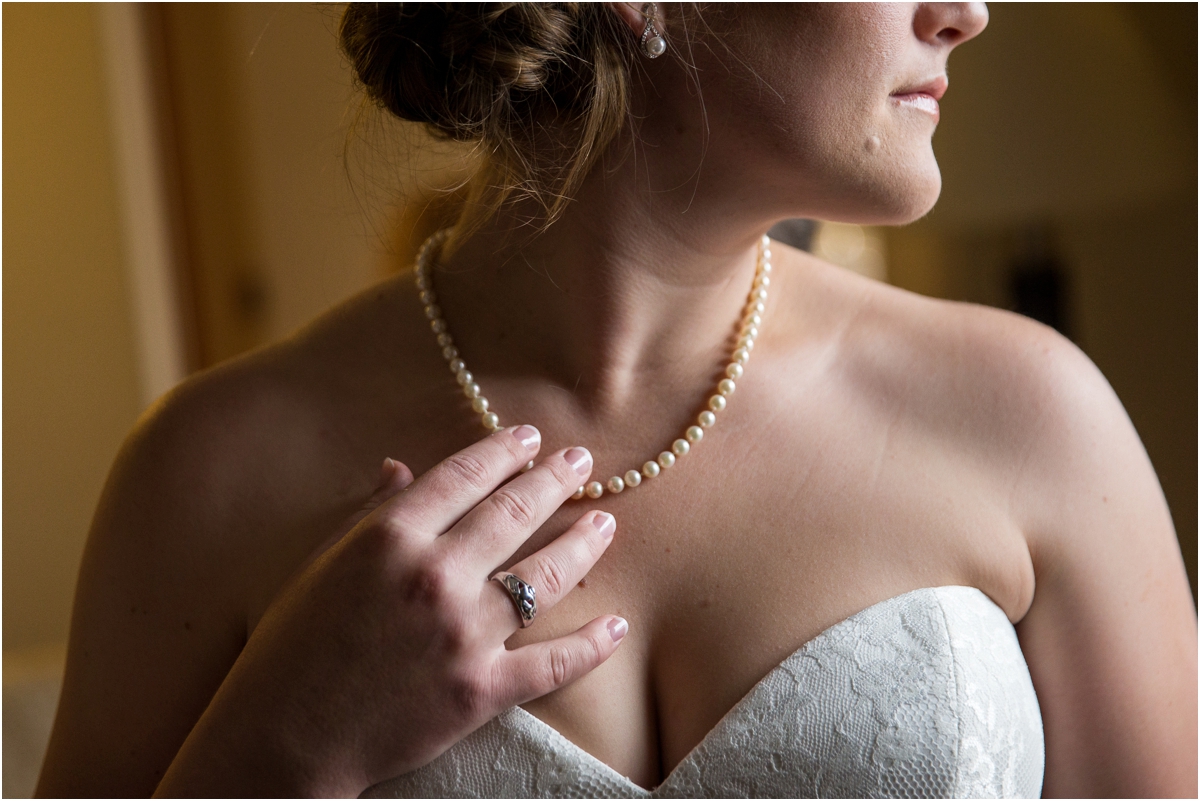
{"points": [[616, 775]]}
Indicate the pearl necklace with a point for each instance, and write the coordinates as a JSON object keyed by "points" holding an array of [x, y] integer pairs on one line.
{"points": [[751, 320]]}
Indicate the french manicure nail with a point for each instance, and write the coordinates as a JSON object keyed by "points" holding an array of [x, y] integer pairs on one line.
{"points": [[617, 628], [580, 459], [606, 524], [530, 437]]}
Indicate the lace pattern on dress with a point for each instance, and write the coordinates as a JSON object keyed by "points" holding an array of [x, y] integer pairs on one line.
{"points": [[922, 695]]}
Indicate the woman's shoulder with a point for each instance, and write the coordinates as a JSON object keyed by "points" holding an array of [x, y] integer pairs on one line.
{"points": [[224, 486], [957, 362], [223, 442], [1001, 392]]}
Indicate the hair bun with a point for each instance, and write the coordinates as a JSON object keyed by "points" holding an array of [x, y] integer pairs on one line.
{"points": [[543, 86], [458, 65]]}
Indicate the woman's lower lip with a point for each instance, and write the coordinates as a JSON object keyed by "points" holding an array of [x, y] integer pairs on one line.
{"points": [[921, 102]]}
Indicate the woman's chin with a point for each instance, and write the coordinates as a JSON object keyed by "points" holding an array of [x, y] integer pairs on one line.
{"points": [[917, 208], [892, 203], [906, 200]]}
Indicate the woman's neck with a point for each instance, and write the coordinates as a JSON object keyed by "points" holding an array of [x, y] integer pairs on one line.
{"points": [[622, 290]]}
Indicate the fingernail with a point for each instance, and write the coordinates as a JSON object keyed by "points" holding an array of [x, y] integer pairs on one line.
{"points": [[580, 459], [606, 524], [617, 628], [530, 437], [386, 472]]}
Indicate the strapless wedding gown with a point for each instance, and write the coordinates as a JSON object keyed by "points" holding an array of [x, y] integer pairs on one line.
{"points": [[923, 695]]}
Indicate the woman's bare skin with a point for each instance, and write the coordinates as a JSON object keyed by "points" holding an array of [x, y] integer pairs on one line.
{"points": [[879, 442]]}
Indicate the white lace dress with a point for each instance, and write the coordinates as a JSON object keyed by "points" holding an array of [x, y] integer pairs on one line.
{"points": [[923, 695]]}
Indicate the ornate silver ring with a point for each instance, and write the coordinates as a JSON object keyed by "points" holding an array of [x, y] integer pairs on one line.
{"points": [[524, 596]]}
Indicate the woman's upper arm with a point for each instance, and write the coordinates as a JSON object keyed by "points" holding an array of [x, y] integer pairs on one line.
{"points": [[155, 624], [1111, 635]]}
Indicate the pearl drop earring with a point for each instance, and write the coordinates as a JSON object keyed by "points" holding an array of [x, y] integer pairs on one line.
{"points": [[653, 43]]}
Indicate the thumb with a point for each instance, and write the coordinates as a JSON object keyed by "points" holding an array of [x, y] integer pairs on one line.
{"points": [[394, 477]]}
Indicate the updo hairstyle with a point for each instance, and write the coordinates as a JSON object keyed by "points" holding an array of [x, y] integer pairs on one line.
{"points": [[542, 88]]}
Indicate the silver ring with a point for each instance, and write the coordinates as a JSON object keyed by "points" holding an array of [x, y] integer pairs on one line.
{"points": [[524, 596]]}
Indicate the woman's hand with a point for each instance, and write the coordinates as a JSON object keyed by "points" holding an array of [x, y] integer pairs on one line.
{"points": [[388, 646]]}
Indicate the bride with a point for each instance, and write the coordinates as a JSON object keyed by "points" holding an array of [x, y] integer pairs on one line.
{"points": [[787, 531]]}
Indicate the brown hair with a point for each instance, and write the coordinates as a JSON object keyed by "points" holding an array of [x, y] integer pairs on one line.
{"points": [[541, 87]]}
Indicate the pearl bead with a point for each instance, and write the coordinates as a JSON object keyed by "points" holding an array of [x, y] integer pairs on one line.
{"points": [[655, 46], [766, 241], [751, 319]]}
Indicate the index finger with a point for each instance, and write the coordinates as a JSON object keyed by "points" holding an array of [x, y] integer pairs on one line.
{"points": [[441, 496], [493, 530]]}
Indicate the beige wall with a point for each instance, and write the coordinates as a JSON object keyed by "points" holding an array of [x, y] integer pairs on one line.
{"points": [[261, 104], [287, 210], [70, 377]]}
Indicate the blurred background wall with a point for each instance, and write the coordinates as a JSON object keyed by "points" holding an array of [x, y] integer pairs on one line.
{"points": [[70, 366], [180, 186]]}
